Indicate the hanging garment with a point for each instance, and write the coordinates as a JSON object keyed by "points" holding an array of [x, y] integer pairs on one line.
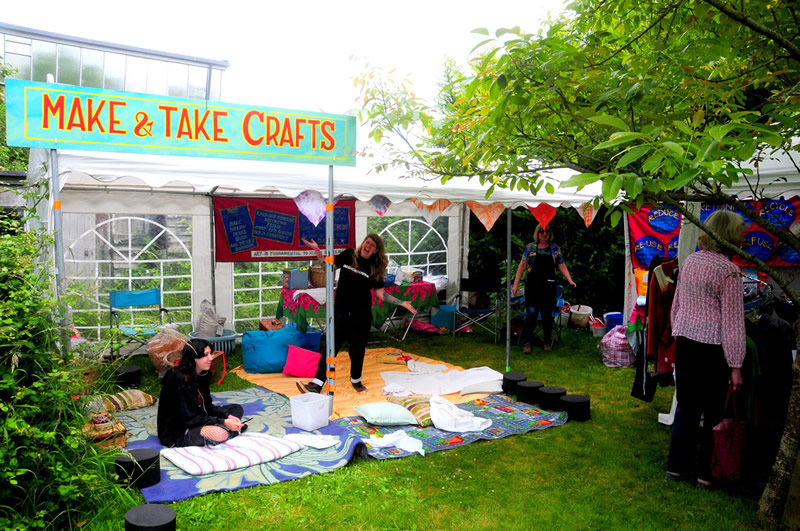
{"points": [[660, 293]]}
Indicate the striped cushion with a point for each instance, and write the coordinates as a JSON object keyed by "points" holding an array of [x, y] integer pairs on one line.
{"points": [[419, 406], [130, 399], [249, 449]]}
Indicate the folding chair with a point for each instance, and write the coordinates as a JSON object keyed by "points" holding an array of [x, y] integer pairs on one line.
{"points": [[481, 313], [130, 332], [538, 331]]}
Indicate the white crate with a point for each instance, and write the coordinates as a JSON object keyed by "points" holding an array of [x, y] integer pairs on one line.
{"points": [[309, 411]]}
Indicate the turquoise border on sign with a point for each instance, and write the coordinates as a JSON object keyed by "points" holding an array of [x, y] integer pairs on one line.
{"points": [[45, 115]]}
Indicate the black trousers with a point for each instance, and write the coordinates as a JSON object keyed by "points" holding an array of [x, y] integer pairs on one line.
{"points": [[352, 326], [701, 381]]}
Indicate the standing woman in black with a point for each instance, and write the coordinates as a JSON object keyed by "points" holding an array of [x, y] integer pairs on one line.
{"points": [[362, 270], [541, 259]]}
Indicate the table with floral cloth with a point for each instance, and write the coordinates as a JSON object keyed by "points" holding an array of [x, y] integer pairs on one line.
{"points": [[421, 294]]}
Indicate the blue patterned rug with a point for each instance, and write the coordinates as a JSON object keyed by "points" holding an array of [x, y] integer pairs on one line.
{"points": [[508, 417], [269, 412]]}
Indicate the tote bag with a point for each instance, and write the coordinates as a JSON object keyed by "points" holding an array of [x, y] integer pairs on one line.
{"points": [[729, 441]]}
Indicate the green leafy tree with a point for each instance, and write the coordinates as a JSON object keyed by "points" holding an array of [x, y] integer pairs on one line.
{"points": [[663, 101]]}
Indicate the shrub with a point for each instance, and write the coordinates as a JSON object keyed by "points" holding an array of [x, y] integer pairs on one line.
{"points": [[50, 474]]}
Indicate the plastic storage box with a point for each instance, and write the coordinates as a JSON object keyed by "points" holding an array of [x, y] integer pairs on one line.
{"points": [[295, 278], [226, 342], [311, 339], [613, 319], [309, 411], [444, 317]]}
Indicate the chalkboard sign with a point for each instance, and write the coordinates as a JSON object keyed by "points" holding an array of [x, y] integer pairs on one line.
{"points": [[238, 228], [341, 228], [274, 226]]}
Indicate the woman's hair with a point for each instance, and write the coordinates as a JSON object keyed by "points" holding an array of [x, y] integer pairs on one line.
{"points": [[378, 262], [725, 224], [539, 229], [195, 348]]}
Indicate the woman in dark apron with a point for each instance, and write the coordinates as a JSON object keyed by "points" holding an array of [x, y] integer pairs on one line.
{"points": [[540, 260]]}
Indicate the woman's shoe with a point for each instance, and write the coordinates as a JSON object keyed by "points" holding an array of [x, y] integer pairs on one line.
{"points": [[704, 486], [310, 387], [673, 477], [359, 387], [526, 348]]}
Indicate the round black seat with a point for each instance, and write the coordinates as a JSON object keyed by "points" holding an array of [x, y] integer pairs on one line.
{"points": [[141, 467], [150, 517], [510, 381], [128, 375], [549, 396], [578, 407], [528, 391]]}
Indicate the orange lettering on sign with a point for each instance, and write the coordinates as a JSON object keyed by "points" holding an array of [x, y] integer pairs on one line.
{"points": [[112, 121], [314, 124], [246, 127], [273, 129], [185, 125], [286, 132], [168, 110], [200, 124], [93, 115], [218, 131], [56, 109], [76, 116], [328, 128]]}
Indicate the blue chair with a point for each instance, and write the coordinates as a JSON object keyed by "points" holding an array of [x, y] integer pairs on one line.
{"points": [[486, 309], [130, 333], [556, 316]]}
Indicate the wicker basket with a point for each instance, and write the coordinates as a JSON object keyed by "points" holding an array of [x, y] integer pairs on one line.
{"points": [[317, 277]]}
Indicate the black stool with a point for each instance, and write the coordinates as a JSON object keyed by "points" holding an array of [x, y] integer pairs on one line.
{"points": [[128, 375], [549, 397], [141, 467], [578, 407], [510, 381], [150, 517], [528, 391]]}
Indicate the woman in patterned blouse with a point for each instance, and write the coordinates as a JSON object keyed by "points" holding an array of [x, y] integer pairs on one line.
{"points": [[708, 323]]}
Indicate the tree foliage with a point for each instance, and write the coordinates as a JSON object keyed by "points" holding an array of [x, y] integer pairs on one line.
{"points": [[663, 101]]}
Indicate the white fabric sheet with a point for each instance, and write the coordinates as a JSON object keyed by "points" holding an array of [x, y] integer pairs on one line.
{"points": [[440, 383], [398, 439], [446, 416]]}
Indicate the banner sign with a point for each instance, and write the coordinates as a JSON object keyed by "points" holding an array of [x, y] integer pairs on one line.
{"points": [[252, 229], [655, 230], [44, 115], [784, 213]]}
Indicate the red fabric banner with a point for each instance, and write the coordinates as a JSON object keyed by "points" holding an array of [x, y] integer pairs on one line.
{"points": [[255, 229], [654, 231]]}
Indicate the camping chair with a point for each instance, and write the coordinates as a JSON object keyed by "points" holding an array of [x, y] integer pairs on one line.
{"points": [[538, 332], [483, 311], [130, 333]]}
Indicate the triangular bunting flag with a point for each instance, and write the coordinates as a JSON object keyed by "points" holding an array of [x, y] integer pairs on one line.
{"points": [[432, 211], [312, 205], [587, 212], [543, 213], [487, 214], [380, 204]]}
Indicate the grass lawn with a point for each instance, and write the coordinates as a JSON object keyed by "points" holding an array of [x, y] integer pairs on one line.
{"points": [[604, 473]]}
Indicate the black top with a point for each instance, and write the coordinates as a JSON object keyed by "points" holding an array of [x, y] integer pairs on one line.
{"points": [[185, 403], [353, 289]]}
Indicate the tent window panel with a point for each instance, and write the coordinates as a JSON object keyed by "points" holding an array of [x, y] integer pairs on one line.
{"points": [[114, 71], [197, 82], [91, 68], [414, 242], [157, 77], [21, 63], [178, 77]]}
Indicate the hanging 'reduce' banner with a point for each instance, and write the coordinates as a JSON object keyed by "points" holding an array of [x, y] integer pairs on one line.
{"points": [[44, 115], [253, 229], [783, 213], [654, 231]]}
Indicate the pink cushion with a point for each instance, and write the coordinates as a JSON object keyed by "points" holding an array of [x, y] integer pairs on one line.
{"points": [[301, 363]]}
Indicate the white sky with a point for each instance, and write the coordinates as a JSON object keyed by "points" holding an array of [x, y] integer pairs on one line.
{"points": [[293, 54]]}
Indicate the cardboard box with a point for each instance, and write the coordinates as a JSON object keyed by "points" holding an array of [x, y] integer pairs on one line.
{"points": [[309, 411], [295, 278]]}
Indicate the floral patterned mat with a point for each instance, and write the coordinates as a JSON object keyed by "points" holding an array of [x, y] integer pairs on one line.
{"points": [[266, 412], [269, 412], [508, 417]]}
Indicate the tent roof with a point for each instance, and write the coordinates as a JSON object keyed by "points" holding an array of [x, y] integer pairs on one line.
{"points": [[88, 169]]}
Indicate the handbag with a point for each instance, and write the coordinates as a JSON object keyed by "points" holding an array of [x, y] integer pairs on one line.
{"points": [[729, 442]]}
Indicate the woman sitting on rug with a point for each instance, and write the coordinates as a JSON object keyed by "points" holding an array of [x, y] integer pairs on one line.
{"points": [[186, 415], [363, 270]]}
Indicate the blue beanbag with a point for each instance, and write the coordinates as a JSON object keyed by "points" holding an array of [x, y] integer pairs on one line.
{"points": [[265, 350]]}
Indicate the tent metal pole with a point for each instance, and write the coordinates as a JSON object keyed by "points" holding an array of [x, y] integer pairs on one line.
{"points": [[58, 241], [330, 270], [213, 248], [508, 290]]}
